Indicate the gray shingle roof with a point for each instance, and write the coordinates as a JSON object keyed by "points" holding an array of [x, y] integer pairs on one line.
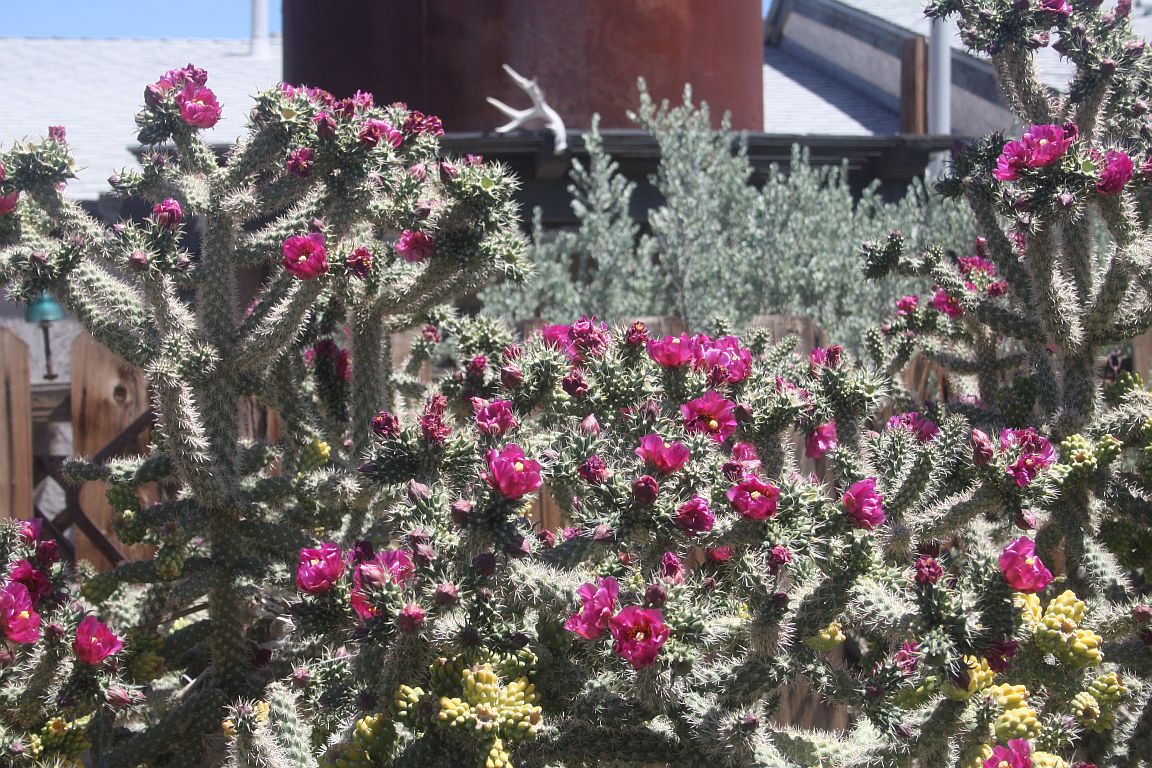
{"points": [[801, 99], [94, 88]]}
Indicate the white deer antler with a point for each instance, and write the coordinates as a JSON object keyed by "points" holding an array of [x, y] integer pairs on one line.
{"points": [[539, 109]]}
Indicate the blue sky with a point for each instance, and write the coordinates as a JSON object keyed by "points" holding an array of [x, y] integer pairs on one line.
{"points": [[130, 18]]}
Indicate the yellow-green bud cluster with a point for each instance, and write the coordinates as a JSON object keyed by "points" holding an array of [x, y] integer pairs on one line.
{"points": [[314, 455], [1018, 723], [1048, 760], [99, 587], [1118, 389], [169, 562], [975, 757], [980, 676], [827, 639], [489, 706], [144, 662], [1095, 708], [66, 738], [372, 742], [1059, 632]]}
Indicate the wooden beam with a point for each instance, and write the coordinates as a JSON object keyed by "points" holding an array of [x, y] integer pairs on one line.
{"points": [[914, 86], [15, 428]]}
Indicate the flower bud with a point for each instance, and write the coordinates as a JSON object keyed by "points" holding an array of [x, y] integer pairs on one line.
{"points": [[982, 450], [589, 425], [1142, 614], [656, 595], [645, 489], [461, 512], [446, 595], [511, 377], [484, 564], [410, 619], [418, 492]]}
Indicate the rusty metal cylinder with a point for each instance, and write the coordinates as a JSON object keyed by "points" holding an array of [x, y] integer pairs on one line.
{"points": [[444, 56]]}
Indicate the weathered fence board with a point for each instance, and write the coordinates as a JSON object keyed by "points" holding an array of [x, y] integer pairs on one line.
{"points": [[15, 427], [108, 395]]}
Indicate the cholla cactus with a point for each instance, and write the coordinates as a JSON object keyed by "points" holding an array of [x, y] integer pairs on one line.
{"points": [[354, 227]]}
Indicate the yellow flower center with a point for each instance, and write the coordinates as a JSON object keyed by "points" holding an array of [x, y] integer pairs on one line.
{"points": [[713, 425], [518, 466], [1029, 561], [24, 614], [755, 494], [641, 635]]}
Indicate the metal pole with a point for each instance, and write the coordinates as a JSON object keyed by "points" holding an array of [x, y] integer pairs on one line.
{"points": [[940, 80], [260, 48]]}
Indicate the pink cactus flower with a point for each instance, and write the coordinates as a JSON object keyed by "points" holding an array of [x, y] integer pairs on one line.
{"points": [[495, 417], [410, 619], [434, 428], [58, 133], [672, 568], [34, 579], [864, 504], [1045, 144], [822, 440], [645, 489], [415, 247], [943, 302], [198, 106], [598, 603], [754, 499], [1022, 569], [386, 425], [511, 473], [710, 414], [639, 634], [1012, 158], [1118, 169], [723, 360], [95, 641], [319, 568], [661, 456], [1035, 454], [305, 256], [360, 261], [390, 566], [635, 336], [418, 122], [695, 516], [300, 162], [557, 337], [928, 570], [744, 455], [906, 305], [982, 450], [1018, 754], [907, 658], [921, 426], [19, 621], [672, 351], [374, 131], [168, 214], [8, 202], [594, 470], [31, 530], [588, 337], [1057, 7]]}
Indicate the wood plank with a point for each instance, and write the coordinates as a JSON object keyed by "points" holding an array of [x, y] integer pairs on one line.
{"points": [[15, 427], [108, 395], [914, 86]]}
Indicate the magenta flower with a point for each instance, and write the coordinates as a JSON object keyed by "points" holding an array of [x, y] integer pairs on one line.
{"points": [[8, 202], [34, 580], [672, 351], [710, 414], [374, 131], [928, 570], [319, 568], [557, 337], [982, 450], [433, 426], [95, 642], [31, 530], [391, 566], [1045, 144], [695, 516], [639, 634], [168, 213], [635, 336], [1018, 754], [724, 361], [1118, 169], [415, 246], [921, 426], [18, 618], [864, 504], [410, 619], [386, 425], [598, 603], [744, 456], [588, 337], [1013, 157], [511, 473], [360, 261], [906, 305], [661, 456], [754, 499], [418, 122], [645, 489], [305, 256], [943, 302], [58, 133], [198, 106], [1021, 568], [594, 470], [822, 440], [325, 125], [672, 568], [300, 162], [1035, 454], [1058, 7], [495, 417]]}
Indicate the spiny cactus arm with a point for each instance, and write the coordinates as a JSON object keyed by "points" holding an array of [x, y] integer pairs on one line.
{"points": [[586, 744], [882, 610], [1020, 83], [287, 304], [196, 713], [284, 721], [111, 311], [1060, 307], [981, 199], [182, 428]]}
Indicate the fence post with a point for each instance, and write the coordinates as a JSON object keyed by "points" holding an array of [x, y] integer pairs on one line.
{"points": [[15, 428]]}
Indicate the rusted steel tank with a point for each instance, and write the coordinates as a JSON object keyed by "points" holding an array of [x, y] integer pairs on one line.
{"points": [[445, 56]]}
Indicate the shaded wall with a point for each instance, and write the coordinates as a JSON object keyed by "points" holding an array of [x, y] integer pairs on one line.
{"points": [[445, 56]]}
